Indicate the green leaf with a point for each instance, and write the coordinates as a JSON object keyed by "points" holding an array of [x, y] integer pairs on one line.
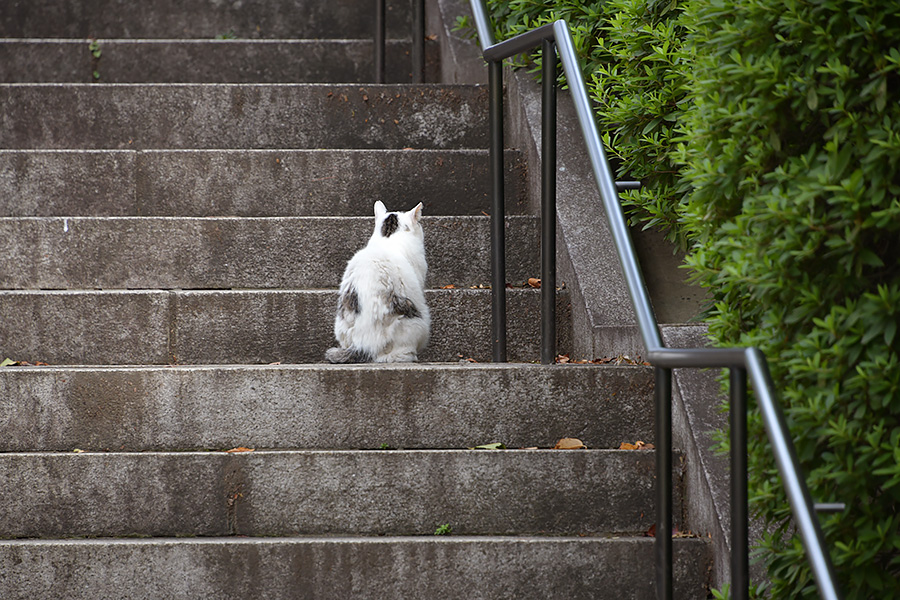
{"points": [[7, 362], [494, 446]]}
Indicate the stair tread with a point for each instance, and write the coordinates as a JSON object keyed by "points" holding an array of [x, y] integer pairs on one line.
{"points": [[224, 115], [449, 567], [199, 18], [239, 252], [204, 60], [242, 326], [250, 182], [412, 405]]}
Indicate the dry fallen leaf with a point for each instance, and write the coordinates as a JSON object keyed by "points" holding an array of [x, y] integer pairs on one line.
{"points": [[241, 449], [569, 444], [449, 286], [534, 282], [638, 445]]}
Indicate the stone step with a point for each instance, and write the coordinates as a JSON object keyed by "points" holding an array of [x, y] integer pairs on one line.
{"points": [[277, 19], [243, 326], [240, 252], [206, 61], [401, 568], [250, 183], [139, 116], [322, 406], [327, 492]]}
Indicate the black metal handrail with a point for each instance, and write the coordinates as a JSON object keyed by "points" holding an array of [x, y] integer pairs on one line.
{"points": [[555, 37], [418, 41]]}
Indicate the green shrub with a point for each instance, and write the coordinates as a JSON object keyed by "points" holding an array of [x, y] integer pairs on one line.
{"points": [[791, 147], [767, 133]]}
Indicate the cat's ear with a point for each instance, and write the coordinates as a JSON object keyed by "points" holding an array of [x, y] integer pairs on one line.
{"points": [[379, 208], [417, 213]]}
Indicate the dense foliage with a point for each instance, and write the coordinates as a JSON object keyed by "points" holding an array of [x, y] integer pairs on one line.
{"points": [[767, 133]]}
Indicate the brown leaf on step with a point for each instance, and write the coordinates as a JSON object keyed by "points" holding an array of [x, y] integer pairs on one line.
{"points": [[638, 445], [562, 359], [431, 37], [569, 444], [651, 532], [449, 286], [240, 449], [534, 282]]}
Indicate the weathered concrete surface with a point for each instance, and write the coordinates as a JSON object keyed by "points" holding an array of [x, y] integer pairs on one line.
{"points": [[460, 61], [225, 253], [322, 406], [250, 183], [92, 327], [165, 19], [327, 492], [455, 567], [206, 61], [242, 116], [242, 326]]}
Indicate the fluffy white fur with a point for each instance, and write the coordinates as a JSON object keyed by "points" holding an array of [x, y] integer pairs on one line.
{"points": [[381, 314]]}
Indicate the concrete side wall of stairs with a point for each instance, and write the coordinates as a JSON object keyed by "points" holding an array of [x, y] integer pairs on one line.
{"points": [[603, 319]]}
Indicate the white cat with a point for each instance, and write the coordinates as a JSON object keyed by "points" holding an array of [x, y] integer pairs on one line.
{"points": [[381, 312]]}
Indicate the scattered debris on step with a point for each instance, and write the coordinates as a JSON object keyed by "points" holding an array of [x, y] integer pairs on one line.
{"points": [[8, 362], [565, 359]]}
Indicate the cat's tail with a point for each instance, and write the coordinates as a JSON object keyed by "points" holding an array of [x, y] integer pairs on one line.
{"points": [[347, 355]]}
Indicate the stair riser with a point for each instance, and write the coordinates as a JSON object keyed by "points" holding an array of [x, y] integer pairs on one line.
{"points": [[252, 183], [403, 406], [135, 116], [259, 327], [201, 19], [448, 568], [320, 492], [206, 61], [204, 253]]}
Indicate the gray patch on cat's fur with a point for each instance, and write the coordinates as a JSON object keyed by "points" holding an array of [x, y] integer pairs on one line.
{"points": [[403, 306], [390, 225], [347, 355], [349, 302]]}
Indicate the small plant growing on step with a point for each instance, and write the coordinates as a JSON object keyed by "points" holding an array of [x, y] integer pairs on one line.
{"points": [[95, 50], [228, 35], [444, 529]]}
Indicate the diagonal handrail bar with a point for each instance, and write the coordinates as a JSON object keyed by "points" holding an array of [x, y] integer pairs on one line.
{"points": [[742, 362]]}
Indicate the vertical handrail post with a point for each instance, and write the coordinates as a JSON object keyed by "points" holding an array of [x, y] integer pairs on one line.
{"points": [[548, 203], [740, 535], [663, 484], [379, 41], [498, 215], [418, 42]]}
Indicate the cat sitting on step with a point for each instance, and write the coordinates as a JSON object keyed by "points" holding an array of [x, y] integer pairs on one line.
{"points": [[381, 312]]}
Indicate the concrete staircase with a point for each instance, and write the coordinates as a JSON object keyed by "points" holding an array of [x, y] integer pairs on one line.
{"points": [[176, 215]]}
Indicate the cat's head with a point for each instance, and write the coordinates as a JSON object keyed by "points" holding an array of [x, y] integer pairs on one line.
{"points": [[392, 223]]}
